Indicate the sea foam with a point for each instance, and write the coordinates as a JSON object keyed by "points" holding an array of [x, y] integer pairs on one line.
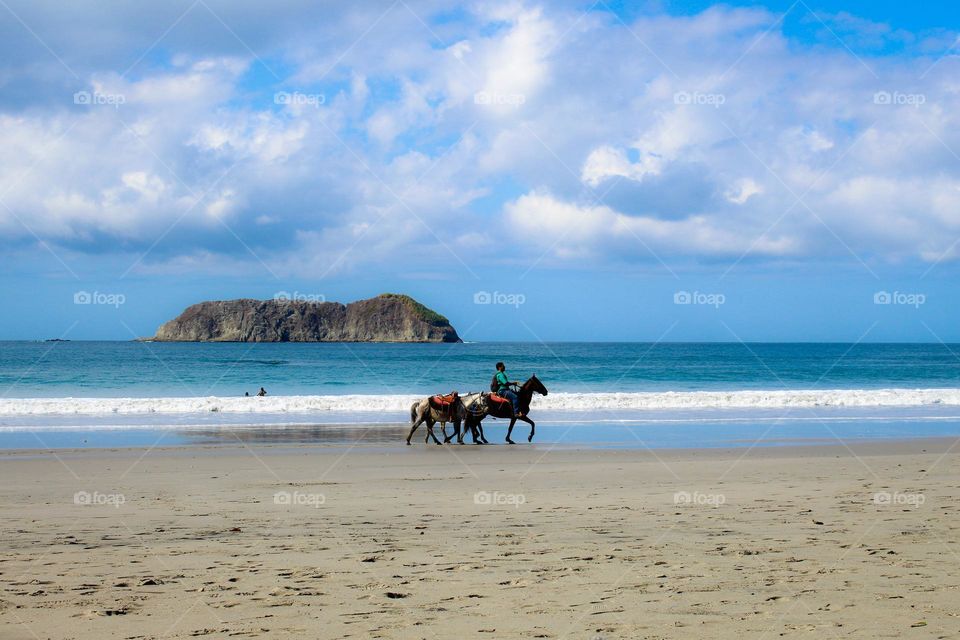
{"points": [[636, 401]]}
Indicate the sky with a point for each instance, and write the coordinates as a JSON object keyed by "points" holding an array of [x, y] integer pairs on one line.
{"points": [[675, 170]]}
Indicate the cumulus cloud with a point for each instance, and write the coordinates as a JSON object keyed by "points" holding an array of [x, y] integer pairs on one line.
{"points": [[297, 135], [593, 230]]}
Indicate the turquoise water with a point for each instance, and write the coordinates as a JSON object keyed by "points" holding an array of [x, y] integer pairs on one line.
{"points": [[129, 369], [81, 394]]}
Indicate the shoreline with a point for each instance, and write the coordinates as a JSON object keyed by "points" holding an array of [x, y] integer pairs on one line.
{"points": [[734, 432]]}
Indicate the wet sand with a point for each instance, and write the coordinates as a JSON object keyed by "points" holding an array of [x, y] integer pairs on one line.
{"points": [[384, 541]]}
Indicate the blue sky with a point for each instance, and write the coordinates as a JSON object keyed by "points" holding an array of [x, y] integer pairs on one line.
{"points": [[663, 170]]}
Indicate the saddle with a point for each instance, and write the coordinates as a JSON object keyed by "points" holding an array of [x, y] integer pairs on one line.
{"points": [[499, 399], [445, 403]]}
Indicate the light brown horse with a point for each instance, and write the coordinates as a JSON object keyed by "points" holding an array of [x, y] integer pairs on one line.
{"points": [[428, 411]]}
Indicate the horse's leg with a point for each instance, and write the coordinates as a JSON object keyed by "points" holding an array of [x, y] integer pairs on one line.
{"points": [[416, 424], [431, 421], [533, 427], [443, 430], [455, 421], [476, 430], [431, 434], [513, 421], [483, 438]]}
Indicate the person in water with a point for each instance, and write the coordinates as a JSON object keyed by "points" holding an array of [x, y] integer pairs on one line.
{"points": [[504, 390], [262, 392]]}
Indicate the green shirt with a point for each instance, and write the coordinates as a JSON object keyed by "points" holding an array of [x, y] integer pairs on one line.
{"points": [[502, 379]]}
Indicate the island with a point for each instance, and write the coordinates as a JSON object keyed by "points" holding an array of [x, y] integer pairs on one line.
{"points": [[389, 317]]}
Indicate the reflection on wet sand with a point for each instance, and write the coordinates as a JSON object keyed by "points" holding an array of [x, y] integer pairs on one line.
{"points": [[313, 434], [676, 432]]}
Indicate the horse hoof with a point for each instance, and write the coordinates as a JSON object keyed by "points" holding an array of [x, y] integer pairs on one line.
{"points": [[408, 443], [510, 441], [530, 439]]}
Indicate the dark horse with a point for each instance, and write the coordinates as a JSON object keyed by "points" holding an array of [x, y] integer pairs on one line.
{"points": [[490, 407]]}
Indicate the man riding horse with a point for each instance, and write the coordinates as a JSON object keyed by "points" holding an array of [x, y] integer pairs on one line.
{"points": [[470, 409], [505, 403], [502, 386]]}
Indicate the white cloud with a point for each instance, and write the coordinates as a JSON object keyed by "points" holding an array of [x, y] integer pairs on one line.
{"points": [[742, 191], [607, 163], [514, 64], [591, 230]]}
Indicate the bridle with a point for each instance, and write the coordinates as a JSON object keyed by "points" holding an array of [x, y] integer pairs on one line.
{"points": [[469, 407]]}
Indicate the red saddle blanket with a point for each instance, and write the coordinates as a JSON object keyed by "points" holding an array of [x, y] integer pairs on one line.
{"points": [[444, 402], [500, 399]]}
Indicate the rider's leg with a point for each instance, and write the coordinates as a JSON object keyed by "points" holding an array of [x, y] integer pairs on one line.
{"points": [[514, 400]]}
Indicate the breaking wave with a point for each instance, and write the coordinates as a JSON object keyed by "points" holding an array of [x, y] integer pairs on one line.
{"points": [[635, 401]]}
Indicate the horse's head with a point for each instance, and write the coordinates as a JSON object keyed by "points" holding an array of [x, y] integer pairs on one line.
{"points": [[473, 401], [534, 384]]}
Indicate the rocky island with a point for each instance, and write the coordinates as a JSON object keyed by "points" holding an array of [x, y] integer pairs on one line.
{"points": [[387, 318]]}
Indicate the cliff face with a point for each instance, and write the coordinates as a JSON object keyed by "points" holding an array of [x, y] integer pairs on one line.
{"points": [[386, 318]]}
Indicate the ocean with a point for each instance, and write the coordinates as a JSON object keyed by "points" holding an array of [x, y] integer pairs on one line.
{"points": [[56, 394]]}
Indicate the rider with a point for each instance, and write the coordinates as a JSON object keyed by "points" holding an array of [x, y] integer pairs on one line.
{"points": [[504, 390]]}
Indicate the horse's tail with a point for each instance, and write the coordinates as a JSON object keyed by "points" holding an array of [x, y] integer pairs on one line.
{"points": [[413, 412]]}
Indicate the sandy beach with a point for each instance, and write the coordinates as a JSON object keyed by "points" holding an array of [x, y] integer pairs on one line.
{"points": [[431, 542]]}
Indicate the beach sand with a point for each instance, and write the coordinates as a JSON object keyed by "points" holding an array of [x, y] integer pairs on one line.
{"points": [[465, 542]]}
